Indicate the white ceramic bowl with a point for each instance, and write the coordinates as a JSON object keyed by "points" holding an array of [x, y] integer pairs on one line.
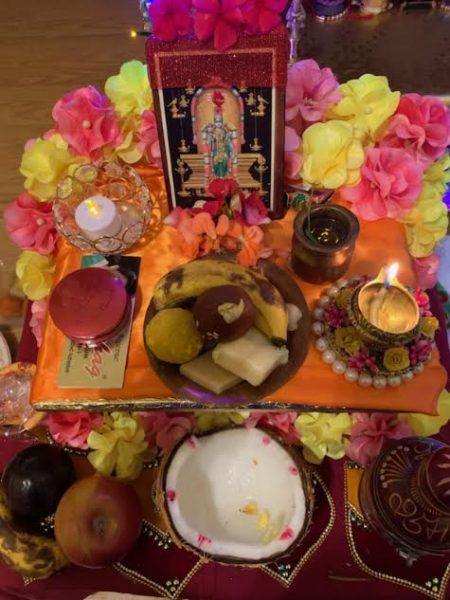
{"points": [[237, 495]]}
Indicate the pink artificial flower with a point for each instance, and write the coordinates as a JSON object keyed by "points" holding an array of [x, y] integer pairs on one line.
{"points": [[220, 19], [283, 423], [171, 19], [363, 360], [293, 159], [335, 316], [30, 224], [310, 91], [73, 428], [38, 312], [291, 139], [426, 270], [254, 211], [87, 121], [292, 164], [422, 300], [391, 181], [165, 429], [262, 16], [371, 431], [175, 217], [421, 126], [420, 350], [148, 141]]}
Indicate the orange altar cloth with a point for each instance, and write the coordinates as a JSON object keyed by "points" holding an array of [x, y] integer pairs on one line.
{"points": [[314, 387]]}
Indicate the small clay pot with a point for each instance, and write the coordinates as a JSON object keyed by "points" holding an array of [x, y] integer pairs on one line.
{"points": [[325, 253]]}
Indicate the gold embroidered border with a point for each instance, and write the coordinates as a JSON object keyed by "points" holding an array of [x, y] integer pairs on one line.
{"points": [[383, 576], [139, 578], [287, 582]]}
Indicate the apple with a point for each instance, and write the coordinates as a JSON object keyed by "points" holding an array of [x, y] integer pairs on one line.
{"points": [[98, 520]]}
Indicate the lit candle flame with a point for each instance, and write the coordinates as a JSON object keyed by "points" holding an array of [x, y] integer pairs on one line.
{"points": [[93, 207], [390, 274]]}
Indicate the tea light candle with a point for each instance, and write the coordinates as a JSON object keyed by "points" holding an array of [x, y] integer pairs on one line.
{"points": [[98, 217]]}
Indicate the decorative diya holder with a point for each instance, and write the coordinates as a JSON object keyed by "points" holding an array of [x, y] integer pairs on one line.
{"points": [[102, 209], [388, 353]]}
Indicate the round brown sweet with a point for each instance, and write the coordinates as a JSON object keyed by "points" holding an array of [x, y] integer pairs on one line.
{"points": [[223, 313]]}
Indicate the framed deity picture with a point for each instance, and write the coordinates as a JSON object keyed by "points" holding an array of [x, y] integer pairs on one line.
{"points": [[221, 115]]}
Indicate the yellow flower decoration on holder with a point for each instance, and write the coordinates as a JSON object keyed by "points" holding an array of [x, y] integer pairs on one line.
{"points": [[118, 447], [343, 298], [428, 326], [45, 163], [427, 222], [322, 434], [396, 359], [332, 157], [347, 339], [367, 104], [207, 420], [426, 425], [130, 91], [35, 273]]}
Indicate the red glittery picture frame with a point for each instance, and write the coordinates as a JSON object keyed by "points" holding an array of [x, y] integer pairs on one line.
{"points": [[221, 115]]}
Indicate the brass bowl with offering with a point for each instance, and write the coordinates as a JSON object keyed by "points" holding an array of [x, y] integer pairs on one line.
{"points": [[223, 334]]}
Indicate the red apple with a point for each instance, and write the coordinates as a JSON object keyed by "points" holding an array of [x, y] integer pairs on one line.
{"points": [[97, 521]]}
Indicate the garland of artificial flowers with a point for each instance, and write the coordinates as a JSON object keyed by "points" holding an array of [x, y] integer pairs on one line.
{"points": [[360, 139]]}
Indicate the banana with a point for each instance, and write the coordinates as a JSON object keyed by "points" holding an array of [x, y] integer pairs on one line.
{"points": [[195, 277], [33, 556]]}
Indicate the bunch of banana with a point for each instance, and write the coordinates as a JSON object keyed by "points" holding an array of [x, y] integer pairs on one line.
{"points": [[34, 556], [194, 278]]}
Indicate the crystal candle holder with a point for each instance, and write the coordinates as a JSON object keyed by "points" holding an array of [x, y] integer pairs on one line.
{"points": [[116, 183]]}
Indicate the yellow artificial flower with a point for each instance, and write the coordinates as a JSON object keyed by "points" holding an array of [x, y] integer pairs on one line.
{"points": [[347, 339], [217, 419], [428, 326], [425, 425], [35, 273], [367, 104], [45, 164], [396, 359], [332, 156], [438, 175], [129, 149], [130, 91], [427, 222], [322, 434], [118, 447], [343, 298]]}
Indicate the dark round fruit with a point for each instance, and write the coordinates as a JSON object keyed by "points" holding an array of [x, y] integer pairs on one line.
{"points": [[35, 480], [223, 313]]}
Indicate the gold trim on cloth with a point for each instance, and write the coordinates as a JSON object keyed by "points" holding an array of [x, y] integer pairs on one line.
{"points": [[352, 479]]}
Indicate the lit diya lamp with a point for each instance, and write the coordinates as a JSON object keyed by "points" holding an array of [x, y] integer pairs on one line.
{"points": [[383, 311]]}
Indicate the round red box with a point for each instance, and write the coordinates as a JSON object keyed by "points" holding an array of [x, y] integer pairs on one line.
{"points": [[90, 306]]}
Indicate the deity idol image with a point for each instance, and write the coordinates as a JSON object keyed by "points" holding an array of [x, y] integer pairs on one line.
{"points": [[218, 139]]}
